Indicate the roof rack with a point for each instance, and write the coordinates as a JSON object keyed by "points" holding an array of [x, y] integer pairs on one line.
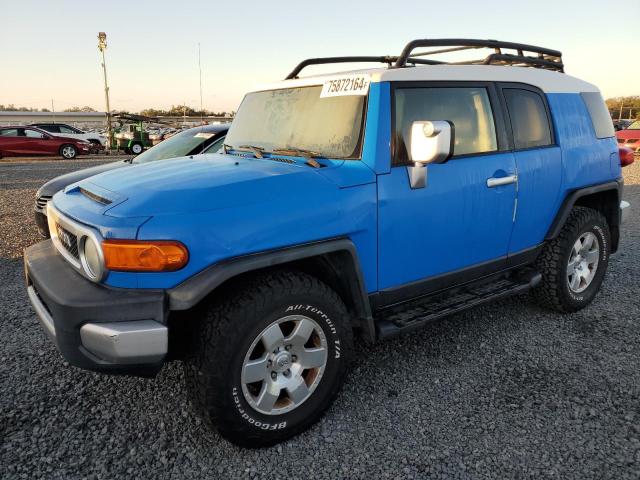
{"points": [[544, 58]]}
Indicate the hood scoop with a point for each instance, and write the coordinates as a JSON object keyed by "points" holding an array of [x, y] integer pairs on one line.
{"points": [[95, 197]]}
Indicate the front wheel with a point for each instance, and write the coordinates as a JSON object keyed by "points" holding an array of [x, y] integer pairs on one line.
{"points": [[574, 263], [68, 152], [269, 360]]}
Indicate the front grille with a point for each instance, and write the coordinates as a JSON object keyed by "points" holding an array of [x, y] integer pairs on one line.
{"points": [[41, 202], [68, 240]]}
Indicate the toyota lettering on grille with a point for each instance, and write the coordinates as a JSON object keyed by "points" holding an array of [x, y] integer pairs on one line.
{"points": [[65, 238]]}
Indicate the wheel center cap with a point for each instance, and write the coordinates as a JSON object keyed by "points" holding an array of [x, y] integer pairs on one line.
{"points": [[282, 362]]}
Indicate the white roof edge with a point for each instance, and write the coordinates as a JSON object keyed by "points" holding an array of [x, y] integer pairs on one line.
{"points": [[545, 80]]}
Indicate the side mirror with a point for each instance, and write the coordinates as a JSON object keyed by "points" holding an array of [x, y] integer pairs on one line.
{"points": [[429, 142]]}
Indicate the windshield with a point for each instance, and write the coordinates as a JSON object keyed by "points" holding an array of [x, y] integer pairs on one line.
{"points": [[178, 145], [299, 118], [634, 126]]}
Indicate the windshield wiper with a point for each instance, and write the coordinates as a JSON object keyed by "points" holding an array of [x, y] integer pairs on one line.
{"points": [[257, 151], [308, 155], [298, 152]]}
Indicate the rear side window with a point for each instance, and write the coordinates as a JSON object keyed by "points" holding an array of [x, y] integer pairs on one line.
{"points": [[600, 117], [65, 129], [51, 128], [468, 108], [529, 120], [9, 132]]}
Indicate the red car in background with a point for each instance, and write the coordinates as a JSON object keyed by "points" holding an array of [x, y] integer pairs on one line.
{"points": [[19, 141], [630, 136]]}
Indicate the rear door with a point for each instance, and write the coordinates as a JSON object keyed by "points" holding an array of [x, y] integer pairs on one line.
{"points": [[36, 142], [538, 162]]}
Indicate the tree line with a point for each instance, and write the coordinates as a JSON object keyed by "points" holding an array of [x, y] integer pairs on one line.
{"points": [[619, 107], [174, 111], [624, 107]]}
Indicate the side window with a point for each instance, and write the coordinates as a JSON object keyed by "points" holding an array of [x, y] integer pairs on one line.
{"points": [[32, 133], [51, 128], [529, 120], [468, 108], [9, 132], [64, 129], [600, 116]]}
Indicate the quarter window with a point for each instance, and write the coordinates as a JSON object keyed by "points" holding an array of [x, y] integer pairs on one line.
{"points": [[600, 116], [529, 120], [468, 108]]}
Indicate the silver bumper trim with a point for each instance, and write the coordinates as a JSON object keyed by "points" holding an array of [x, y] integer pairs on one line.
{"points": [[41, 311], [624, 211], [141, 341]]}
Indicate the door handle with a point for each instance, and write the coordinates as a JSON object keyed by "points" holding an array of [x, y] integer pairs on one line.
{"points": [[496, 182]]}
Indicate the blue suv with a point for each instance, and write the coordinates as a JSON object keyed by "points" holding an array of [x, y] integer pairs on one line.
{"points": [[357, 205]]}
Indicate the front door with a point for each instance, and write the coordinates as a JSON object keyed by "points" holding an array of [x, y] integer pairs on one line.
{"points": [[463, 216]]}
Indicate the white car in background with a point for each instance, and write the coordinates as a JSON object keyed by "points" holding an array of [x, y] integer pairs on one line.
{"points": [[64, 130]]}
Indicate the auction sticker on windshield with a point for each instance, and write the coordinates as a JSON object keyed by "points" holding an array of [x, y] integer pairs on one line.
{"points": [[357, 84]]}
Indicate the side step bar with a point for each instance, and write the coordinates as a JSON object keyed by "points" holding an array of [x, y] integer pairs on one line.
{"points": [[434, 307]]}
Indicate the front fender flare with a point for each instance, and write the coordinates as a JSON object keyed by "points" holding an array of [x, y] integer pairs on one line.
{"points": [[190, 292]]}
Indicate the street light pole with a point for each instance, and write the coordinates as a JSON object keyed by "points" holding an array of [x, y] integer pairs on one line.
{"points": [[102, 46]]}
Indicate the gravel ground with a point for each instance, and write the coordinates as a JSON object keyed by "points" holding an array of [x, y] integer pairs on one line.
{"points": [[504, 391]]}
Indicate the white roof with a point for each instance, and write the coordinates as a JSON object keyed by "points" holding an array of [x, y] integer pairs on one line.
{"points": [[546, 80]]}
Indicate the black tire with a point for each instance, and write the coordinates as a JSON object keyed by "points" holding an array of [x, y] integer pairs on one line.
{"points": [[68, 151], [225, 335], [553, 291]]}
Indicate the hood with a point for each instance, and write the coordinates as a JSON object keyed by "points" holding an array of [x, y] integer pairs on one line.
{"points": [[58, 183], [203, 183]]}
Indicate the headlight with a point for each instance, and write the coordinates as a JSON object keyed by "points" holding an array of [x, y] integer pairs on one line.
{"points": [[92, 259]]}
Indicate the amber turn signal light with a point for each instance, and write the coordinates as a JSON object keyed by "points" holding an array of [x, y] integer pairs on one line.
{"points": [[144, 255]]}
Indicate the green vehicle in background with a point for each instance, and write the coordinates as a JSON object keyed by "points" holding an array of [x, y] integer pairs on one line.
{"points": [[131, 136]]}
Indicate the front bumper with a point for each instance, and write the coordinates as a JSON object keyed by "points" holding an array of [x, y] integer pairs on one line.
{"points": [[96, 327]]}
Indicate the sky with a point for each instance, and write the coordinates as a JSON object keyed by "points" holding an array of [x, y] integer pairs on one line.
{"points": [[48, 49]]}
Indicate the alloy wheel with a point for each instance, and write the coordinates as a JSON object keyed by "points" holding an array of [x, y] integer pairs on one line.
{"points": [[583, 262], [284, 365]]}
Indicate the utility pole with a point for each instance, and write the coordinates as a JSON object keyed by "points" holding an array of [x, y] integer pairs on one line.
{"points": [[53, 111], [621, 107], [102, 46], [200, 69]]}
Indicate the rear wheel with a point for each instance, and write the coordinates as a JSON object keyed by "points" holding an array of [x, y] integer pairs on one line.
{"points": [[269, 360], [68, 151], [573, 264]]}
